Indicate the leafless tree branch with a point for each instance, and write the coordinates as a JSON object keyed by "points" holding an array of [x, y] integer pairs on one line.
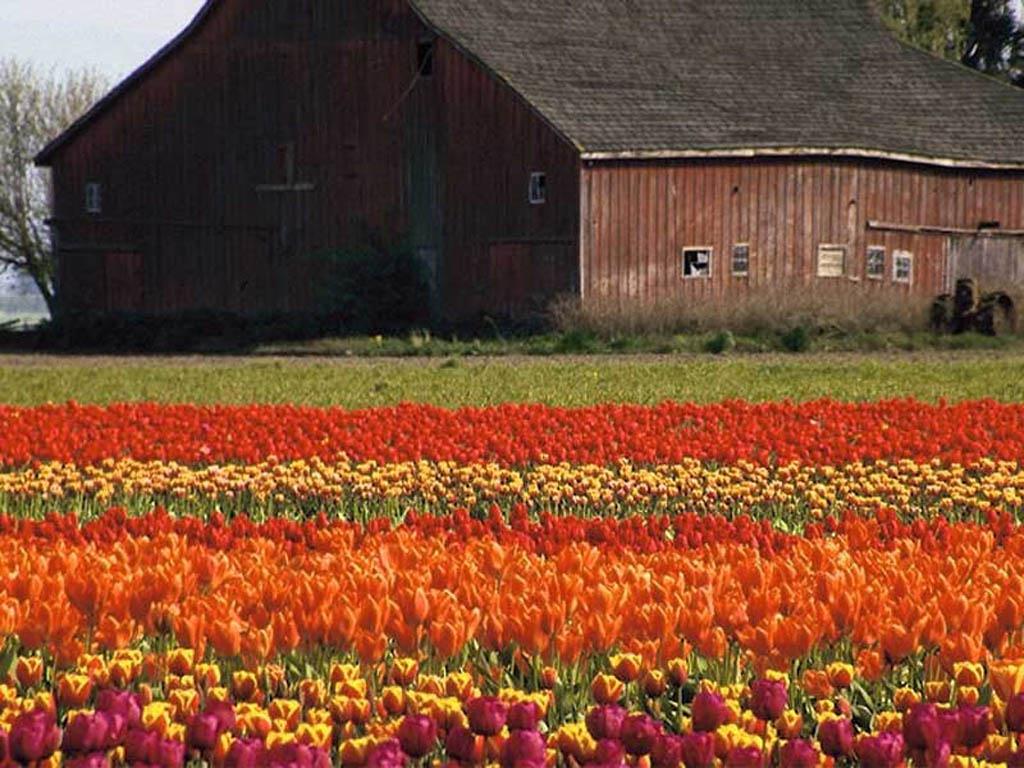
{"points": [[34, 108]]}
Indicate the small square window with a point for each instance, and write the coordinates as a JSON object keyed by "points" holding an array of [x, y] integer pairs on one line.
{"points": [[697, 262], [902, 267], [876, 262], [831, 260], [93, 198], [538, 188], [741, 259]]}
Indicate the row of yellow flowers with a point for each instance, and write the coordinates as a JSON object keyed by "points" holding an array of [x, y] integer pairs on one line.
{"points": [[698, 486]]}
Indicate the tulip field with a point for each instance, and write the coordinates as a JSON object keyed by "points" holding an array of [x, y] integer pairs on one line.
{"points": [[796, 584]]}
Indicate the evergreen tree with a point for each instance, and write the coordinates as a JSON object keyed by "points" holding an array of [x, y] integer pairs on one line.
{"points": [[987, 35]]}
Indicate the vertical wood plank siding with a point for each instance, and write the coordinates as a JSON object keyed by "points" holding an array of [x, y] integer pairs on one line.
{"points": [[646, 213], [443, 162]]}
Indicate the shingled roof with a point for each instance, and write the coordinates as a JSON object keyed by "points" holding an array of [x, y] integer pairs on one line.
{"points": [[678, 78], [652, 78]]}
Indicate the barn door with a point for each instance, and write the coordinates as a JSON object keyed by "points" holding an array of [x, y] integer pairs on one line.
{"points": [[125, 288], [997, 263]]}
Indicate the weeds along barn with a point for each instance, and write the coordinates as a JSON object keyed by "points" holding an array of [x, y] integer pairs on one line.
{"points": [[522, 149]]}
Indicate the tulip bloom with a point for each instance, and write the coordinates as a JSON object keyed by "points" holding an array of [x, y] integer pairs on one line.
{"points": [[744, 757], [882, 751], [709, 711], [1014, 714], [638, 734], [835, 735], [202, 732], [34, 736], [768, 699], [698, 750], [523, 748], [87, 733], [463, 745], [123, 703], [667, 751], [486, 715], [921, 726], [417, 735], [245, 753], [523, 716], [798, 753], [387, 754], [607, 689], [605, 722]]}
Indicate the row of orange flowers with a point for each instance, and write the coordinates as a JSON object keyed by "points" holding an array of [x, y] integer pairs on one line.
{"points": [[890, 591]]}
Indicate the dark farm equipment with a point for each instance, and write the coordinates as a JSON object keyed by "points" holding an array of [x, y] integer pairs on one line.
{"points": [[967, 309]]}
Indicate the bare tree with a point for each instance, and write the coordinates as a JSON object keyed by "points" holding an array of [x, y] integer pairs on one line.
{"points": [[34, 108]]}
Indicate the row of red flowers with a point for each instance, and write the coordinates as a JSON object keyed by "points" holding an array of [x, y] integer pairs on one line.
{"points": [[545, 534], [820, 432]]}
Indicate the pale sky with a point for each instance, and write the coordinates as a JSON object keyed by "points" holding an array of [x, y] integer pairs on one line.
{"points": [[113, 36]]}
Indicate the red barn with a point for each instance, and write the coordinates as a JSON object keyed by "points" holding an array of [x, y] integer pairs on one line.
{"points": [[611, 149]]}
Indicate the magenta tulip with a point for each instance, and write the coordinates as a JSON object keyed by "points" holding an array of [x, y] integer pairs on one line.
{"points": [[523, 716], [836, 737], [744, 757], [34, 736], [605, 722], [418, 735], [698, 750], [768, 699], [245, 753], [486, 715], [709, 711], [798, 753], [882, 751], [523, 748], [123, 703], [667, 751], [461, 744], [638, 734]]}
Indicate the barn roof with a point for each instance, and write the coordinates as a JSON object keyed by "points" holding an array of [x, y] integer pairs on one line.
{"points": [[651, 78], [681, 78]]}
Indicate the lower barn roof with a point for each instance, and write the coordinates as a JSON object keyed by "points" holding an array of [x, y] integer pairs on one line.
{"points": [[653, 78]]}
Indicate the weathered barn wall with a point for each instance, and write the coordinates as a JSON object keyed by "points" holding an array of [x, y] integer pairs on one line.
{"points": [[283, 130], [637, 219], [505, 256]]}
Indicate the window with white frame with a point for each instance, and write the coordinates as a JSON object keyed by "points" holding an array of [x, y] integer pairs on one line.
{"points": [[697, 262], [93, 197], [831, 260], [538, 188], [741, 259], [875, 268], [902, 267]]}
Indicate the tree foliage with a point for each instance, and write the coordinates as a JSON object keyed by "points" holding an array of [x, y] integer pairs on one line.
{"points": [[987, 35], [34, 107]]}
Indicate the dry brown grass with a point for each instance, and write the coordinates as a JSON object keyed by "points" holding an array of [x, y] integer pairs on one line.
{"points": [[825, 308]]}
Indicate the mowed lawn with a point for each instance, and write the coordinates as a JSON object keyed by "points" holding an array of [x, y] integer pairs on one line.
{"points": [[26, 380]]}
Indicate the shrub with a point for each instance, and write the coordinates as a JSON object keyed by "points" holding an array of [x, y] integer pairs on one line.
{"points": [[796, 339], [721, 342], [374, 287]]}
